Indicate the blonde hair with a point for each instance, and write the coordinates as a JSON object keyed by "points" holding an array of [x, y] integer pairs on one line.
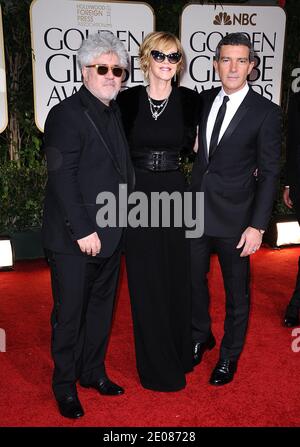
{"points": [[162, 41]]}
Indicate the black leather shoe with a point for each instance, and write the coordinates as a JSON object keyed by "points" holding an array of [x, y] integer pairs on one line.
{"points": [[70, 407], [223, 372], [106, 387], [291, 317], [200, 347]]}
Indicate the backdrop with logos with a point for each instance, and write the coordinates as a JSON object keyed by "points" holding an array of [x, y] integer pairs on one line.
{"points": [[202, 27], [3, 95], [58, 28]]}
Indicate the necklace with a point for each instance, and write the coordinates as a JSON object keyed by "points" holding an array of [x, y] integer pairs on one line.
{"points": [[157, 109]]}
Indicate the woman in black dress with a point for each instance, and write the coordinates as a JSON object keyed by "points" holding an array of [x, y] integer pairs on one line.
{"points": [[160, 121]]}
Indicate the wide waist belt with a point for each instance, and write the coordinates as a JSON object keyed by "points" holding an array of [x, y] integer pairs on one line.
{"points": [[158, 161]]}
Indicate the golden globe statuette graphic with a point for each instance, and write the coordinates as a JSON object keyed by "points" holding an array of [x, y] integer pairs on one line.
{"points": [[3, 95]]}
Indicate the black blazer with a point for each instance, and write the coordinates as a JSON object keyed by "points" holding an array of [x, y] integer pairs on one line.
{"points": [[293, 151], [234, 196], [80, 164]]}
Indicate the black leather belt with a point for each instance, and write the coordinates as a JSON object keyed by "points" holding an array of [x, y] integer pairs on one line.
{"points": [[158, 161]]}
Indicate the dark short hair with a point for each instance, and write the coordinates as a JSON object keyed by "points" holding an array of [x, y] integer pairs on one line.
{"points": [[235, 39]]}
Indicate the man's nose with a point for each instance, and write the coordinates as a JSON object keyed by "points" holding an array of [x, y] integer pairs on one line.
{"points": [[109, 74], [233, 66]]}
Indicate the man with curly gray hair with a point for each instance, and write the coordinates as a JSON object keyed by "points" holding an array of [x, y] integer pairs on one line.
{"points": [[87, 153], [109, 49]]}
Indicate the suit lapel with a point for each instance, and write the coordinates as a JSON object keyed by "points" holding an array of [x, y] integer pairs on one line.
{"points": [[123, 137], [92, 116], [202, 129], [206, 109], [104, 144], [240, 113], [237, 117], [125, 155]]}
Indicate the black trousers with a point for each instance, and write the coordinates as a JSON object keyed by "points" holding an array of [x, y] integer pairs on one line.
{"points": [[83, 289], [235, 271], [295, 300], [294, 195]]}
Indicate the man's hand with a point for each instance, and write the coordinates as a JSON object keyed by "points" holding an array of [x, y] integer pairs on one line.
{"points": [[286, 198], [251, 240], [91, 244]]}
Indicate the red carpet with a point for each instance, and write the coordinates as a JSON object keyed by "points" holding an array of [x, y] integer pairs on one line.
{"points": [[265, 391]]}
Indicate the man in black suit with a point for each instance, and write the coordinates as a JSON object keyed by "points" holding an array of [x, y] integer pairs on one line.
{"points": [[86, 154], [291, 194], [236, 166]]}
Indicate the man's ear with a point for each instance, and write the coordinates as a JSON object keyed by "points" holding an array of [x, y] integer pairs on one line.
{"points": [[84, 73], [216, 66], [251, 67]]}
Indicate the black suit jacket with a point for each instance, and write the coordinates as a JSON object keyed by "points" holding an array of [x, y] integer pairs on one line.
{"points": [[234, 197], [81, 164], [293, 152]]}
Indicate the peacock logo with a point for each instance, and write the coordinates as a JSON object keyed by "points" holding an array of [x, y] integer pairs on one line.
{"points": [[222, 18]]}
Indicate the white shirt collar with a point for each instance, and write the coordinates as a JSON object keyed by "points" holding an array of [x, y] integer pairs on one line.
{"points": [[236, 97]]}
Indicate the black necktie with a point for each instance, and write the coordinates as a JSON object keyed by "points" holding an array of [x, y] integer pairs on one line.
{"points": [[217, 126]]}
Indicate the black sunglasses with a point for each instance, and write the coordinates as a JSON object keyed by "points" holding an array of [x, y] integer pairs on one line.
{"points": [[159, 57], [103, 69]]}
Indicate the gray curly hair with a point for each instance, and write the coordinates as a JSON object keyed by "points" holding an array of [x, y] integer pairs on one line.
{"points": [[102, 43]]}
